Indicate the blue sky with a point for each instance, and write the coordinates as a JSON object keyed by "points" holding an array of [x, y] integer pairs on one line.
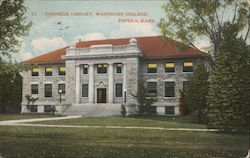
{"points": [[52, 32]]}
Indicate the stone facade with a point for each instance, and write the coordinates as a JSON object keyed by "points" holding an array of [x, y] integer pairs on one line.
{"points": [[102, 86]]}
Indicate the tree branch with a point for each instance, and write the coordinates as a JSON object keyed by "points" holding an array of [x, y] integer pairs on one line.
{"points": [[235, 11], [248, 30]]}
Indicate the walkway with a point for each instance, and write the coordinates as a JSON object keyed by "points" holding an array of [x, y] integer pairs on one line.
{"points": [[26, 122]]}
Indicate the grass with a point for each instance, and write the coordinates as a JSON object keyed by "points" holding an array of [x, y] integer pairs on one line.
{"points": [[17, 116], [38, 142], [152, 121]]}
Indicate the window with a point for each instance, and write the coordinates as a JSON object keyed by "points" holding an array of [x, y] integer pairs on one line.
{"points": [[48, 90], [152, 89], [101, 68], [188, 66], [169, 110], [62, 71], [35, 71], [34, 89], [61, 87], [47, 108], [118, 68], [152, 68], [85, 69], [33, 108], [170, 67], [169, 89], [48, 71], [85, 90], [118, 90], [185, 85]]}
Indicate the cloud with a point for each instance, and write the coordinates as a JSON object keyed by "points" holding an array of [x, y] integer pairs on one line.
{"points": [[133, 30], [23, 55], [43, 44], [202, 43], [89, 37]]}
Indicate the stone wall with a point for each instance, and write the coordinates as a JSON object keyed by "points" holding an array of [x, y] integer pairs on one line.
{"points": [[41, 80]]}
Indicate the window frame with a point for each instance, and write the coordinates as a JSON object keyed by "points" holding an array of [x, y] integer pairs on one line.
{"points": [[165, 87], [152, 70], [63, 90], [32, 107], [102, 68], [48, 91], [48, 73], [35, 73], [119, 65], [86, 90], [188, 69], [167, 69], [45, 109], [170, 111], [118, 92], [149, 94], [36, 90], [85, 69], [61, 73]]}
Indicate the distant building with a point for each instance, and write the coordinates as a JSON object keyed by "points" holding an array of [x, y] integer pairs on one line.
{"points": [[104, 74]]}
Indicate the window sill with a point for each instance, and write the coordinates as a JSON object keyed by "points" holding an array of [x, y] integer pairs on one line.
{"points": [[170, 73], [187, 72], [169, 98]]}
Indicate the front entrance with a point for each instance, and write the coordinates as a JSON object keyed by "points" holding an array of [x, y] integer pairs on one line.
{"points": [[101, 95]]}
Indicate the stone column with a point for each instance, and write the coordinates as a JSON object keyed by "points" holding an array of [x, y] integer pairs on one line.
{"points": [[111, 82], [77, 84], [124, 82], [91, 83]]}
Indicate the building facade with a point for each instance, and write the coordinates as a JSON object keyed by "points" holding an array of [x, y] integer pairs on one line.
{"points": [[107, 73]]}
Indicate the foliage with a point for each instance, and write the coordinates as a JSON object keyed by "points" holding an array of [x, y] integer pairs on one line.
{"points": [[195, 95], [143, 99], [31, 100], [123, 110], [183, 109], [10, 92], [13, 25], [188, 19], [229, 91]]}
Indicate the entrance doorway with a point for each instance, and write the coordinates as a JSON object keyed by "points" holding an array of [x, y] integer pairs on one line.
{"points": [[101, 95]]}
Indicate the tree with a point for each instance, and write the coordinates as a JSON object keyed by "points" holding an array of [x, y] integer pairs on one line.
{"points": [[195, 96], [13, 25], [31, 100], [188, 19], [143, 99], [183, 109], [229, 91], [10, 93]]}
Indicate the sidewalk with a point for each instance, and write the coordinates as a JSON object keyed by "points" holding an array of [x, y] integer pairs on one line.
{"points": [[26, 122]]}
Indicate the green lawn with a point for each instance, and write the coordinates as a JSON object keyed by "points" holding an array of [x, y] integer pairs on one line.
{"points": [[16, 116], [153, 121], [45, 142]]}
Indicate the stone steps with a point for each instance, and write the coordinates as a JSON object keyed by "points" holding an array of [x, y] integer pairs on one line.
{"points": [[94, 110]]}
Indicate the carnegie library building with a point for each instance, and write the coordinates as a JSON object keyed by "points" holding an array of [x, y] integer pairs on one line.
{"points": [[96, 77]]}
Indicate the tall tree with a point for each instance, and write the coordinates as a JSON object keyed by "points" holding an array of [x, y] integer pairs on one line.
{"points": [[195, 96], [13, 25], [229, 91], [188, 19]]}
